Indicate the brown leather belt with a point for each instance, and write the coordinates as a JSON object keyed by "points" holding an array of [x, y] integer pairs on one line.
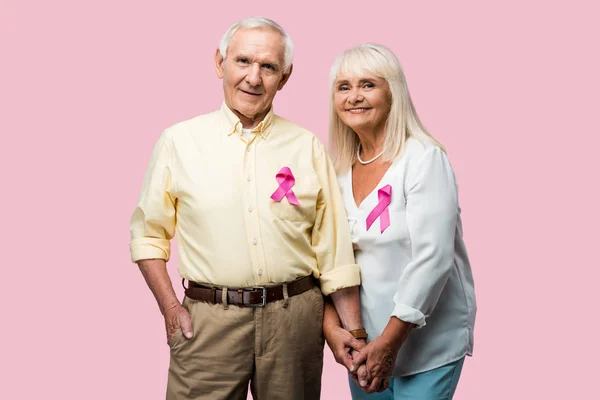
{"points": [[257, 296]]}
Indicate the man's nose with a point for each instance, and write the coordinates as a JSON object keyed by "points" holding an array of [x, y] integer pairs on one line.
{"points": [[253, 77]]}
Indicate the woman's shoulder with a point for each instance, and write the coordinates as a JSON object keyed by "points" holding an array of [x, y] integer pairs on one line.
{"points": [[415, 149]]}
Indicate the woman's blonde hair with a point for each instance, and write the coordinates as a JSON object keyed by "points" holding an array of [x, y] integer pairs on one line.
{"points": [[402, 121]]}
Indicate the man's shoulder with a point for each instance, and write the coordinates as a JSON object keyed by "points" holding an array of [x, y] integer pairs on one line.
{"points": [[286, 125]]}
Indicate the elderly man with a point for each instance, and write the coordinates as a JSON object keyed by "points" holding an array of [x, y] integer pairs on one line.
{"points": [[262, 234]]}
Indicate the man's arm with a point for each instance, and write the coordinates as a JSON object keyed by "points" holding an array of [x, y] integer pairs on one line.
{"points": [[339, 340], [340, 276], [332, 243], [158, 280], [347, 305], [152, 227]]}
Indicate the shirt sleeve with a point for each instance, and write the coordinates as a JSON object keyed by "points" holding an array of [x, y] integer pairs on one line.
{"points": [[331, 235], [431, 215], [152, 224]]}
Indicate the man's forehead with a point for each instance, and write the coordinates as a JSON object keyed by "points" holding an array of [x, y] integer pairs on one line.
{"points": [[257, 41]]}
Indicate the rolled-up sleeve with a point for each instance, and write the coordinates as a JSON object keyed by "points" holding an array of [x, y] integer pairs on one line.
{"points": [[152, 224], [331, 235], [431, 215]]}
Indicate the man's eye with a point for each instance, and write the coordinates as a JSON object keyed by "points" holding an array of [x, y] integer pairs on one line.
{"points": [[343, 88], [243, 60], [369, 85], [267, 66]]}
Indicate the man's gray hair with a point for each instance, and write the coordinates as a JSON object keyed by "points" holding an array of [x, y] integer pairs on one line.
{"points": [[255, 23]]}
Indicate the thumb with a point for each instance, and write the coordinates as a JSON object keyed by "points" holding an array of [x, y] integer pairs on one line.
{"points": [[185, 322], [347, 361], [358, 358], [355, 344]]}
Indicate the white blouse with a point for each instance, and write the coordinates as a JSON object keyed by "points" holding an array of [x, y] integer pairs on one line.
{"points": [[417, 269]]}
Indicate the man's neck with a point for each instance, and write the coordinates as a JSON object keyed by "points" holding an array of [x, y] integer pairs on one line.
{"points": [[250, 122]]}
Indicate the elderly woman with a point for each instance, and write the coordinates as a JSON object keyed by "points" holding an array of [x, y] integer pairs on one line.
{"points": [[417, 298]]}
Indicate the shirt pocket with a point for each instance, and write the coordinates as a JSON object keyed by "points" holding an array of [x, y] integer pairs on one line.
{"points": [[307, 192]]}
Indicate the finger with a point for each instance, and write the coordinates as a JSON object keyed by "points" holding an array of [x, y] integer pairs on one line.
{"points": [[374, 386], [347, 361], [384, 385], [359, 357], [185, 322], [354, 343], [362, 375], [355, 379]]}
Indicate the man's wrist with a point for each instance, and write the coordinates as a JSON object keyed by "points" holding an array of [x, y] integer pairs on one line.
{"points": [[168, 307]]}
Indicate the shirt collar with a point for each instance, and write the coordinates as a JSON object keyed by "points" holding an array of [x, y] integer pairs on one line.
{"points": [[234, 125]]}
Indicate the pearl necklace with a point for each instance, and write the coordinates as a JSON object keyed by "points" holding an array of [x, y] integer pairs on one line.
{"points": [[368, 161]]}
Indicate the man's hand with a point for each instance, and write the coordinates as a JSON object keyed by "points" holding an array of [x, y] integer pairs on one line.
{"points": [[176, 318], [157, 278], [341, 343], [375, 363]]}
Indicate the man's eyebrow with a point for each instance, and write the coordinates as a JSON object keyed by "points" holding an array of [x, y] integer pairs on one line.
{"points": [[253, 59], [273, 63]]}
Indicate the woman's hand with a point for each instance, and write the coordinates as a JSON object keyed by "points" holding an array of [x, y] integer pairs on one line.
{"points": [[379, 356], [375, 363]]}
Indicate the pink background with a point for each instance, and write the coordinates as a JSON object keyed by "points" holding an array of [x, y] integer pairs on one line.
{"points": [[511, 88]]}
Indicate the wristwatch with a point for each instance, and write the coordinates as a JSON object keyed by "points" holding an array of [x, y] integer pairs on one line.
{"points": [[359, 333]]}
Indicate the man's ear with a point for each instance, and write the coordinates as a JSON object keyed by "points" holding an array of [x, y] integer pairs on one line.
{"points": [[219, 64], [285, 78]]}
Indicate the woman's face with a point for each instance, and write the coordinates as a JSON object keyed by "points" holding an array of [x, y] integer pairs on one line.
{"points": [[362, 102]]}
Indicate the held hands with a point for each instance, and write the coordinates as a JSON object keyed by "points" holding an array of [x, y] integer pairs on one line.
{"points": [[176, 318], [342, 343], [374, 365], [376, 361], [370, 365]]}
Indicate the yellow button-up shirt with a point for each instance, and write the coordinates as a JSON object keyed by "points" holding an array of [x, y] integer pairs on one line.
{"points": [[213, 188]]}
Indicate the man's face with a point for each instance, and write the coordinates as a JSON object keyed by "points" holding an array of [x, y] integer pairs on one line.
{"points": [[252, 73]]}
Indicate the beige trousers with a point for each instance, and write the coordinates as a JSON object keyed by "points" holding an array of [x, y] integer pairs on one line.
{"points": [[277, 350]]}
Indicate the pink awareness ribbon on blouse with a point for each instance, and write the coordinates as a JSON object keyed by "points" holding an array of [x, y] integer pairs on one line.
{"points": [[286, 180], [381, 209]]}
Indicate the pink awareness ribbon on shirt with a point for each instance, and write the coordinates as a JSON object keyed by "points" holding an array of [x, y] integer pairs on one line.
{"points": [[381, 209], [286, 180]]}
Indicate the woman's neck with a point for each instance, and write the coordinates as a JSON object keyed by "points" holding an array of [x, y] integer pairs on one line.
{"points": [[371, 143]]}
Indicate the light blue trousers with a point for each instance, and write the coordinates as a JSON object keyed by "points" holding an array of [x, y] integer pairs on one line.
{"points": [[436, 384]]}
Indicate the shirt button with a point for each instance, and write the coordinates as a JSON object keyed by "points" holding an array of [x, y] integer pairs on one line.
{"points": [[260, 272], [250, 208], [255, 242], [248, 150], [249, 178]]}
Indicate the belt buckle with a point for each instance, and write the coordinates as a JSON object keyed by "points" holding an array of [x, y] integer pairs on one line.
{"points": [[263, 296]]}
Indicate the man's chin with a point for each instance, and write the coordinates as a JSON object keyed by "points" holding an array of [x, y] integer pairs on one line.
{"points": [[250, 111]]}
